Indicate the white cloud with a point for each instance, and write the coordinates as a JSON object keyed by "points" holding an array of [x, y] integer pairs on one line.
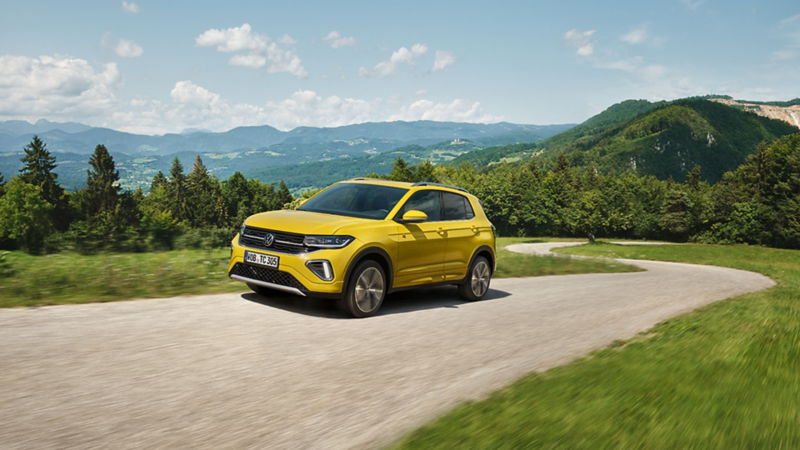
{"points": [[586, 50], [252, 61], [654, 72], [60, 88], [635, 36], [389, 68], [56, 87], [457, 111], [287, 40], [336, 40], [195, 107], [261, 48], [123, 48], [421, 92], [789, 20], [444, 59], [233, 39], [626, 65], [790, 36], [131, 8], [580, 40]]}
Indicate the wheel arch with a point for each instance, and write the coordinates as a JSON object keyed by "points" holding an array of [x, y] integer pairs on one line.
{"points": [[376, 254], [486, 252]]}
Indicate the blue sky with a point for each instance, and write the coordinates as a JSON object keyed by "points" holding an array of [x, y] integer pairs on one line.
{"points": [[156, 67]]}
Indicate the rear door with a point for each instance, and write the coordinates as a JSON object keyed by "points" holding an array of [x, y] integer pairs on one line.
{"points": [[421, 246], [462, 235]]}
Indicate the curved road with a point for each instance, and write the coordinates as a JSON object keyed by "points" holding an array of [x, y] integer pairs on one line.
{"points": [[240, 371]]}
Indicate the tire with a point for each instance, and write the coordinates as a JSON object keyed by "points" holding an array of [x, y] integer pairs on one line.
{"points": [[478, 278], [265, 291], [365, 290]]}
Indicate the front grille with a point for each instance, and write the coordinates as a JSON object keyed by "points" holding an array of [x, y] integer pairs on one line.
{"points": [[268, 275], [284, 242]]}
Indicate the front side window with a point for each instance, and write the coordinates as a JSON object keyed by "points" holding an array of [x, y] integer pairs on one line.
{"points": [[366, 201], [425, 201]]}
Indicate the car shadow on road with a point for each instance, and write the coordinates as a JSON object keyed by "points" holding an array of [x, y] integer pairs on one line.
{"points": [[397, 303]]}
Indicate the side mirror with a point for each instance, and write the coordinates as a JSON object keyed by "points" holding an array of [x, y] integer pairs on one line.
{"points": [[414, 216]]}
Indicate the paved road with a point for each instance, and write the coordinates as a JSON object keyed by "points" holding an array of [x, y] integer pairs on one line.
{"points": [[238, 371]]}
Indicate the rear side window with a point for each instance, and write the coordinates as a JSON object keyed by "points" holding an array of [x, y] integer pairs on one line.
{"points": [[456, 207], [470, 212], [425, 201]]}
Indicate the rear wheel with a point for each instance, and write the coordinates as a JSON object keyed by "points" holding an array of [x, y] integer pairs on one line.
{"points": [[265, 291], [366, 289], [478, 278]]}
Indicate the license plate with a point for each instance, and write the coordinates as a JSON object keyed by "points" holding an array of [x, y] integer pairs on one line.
{"points": [[261, 259]]}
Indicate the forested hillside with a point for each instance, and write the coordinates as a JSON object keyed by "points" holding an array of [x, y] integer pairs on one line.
{"points": [[671, 139], [661, 139]]}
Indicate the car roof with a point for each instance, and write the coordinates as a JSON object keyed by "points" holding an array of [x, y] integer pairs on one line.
{"points": [[406, 185]]}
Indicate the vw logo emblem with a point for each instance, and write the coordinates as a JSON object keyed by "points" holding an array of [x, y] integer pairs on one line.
{"points": [[268, 240]]}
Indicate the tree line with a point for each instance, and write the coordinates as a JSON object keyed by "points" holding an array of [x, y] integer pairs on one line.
{"points": [[758, 203], [191, 209]]}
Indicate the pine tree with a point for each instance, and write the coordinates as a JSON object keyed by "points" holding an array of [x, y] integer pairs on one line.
{"points": [[205, 196], [401, 171], [102, 183], [38, 171], [693, 178], [284, 196], [138, 195], [158, 181], [177, 191]]}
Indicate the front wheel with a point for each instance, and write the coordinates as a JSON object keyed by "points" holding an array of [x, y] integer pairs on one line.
{"points": [[366, 289], [478, 278]]}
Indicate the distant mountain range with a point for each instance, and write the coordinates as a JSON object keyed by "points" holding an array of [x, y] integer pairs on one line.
{"points": [[21, 127], [78, 138], [664, 139], [246, 149]]}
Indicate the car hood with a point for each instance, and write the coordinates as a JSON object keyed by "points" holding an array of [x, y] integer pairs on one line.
{"points": [[302, 222]]}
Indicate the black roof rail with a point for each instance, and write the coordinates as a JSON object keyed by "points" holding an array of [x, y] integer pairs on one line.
{"points": [[429, 183]]}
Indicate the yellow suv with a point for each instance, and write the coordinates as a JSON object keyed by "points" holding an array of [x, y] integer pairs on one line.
{"points": [[360, 239]]}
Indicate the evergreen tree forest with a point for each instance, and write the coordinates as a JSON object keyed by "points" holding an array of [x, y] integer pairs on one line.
{"points": [[183, 210], [757, 203]]}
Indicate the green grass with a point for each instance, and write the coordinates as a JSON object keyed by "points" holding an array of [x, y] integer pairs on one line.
{"points": [[27, 280], [724, 376], [510, 264]]}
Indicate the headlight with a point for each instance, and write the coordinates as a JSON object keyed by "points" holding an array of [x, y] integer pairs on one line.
{"points": [[241, 233], [327, 241]]}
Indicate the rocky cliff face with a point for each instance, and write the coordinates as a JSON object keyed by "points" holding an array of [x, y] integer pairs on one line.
{"points": [[790, 114]]}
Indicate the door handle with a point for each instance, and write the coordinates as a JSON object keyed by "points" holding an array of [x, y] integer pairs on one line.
{"points": [[441, 230], [475, 229]]}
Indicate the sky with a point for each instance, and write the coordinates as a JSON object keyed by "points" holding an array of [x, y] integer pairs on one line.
{"points": [[155, 67]]}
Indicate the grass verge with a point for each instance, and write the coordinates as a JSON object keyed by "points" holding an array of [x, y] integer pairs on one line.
{"points": [[511, 264], [723, 376], [27, 280]]}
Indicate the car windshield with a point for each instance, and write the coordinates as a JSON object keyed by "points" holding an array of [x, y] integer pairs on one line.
{"points": [[366, 201]]}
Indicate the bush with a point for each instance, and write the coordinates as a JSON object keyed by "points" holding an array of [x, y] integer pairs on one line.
{"points": [[205, 238]]}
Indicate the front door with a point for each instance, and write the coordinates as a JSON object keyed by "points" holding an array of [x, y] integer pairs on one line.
{"points": [[422, 246]]}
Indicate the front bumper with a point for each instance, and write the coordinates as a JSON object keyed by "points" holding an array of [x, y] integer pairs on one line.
{"points": [[292, 275]]}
